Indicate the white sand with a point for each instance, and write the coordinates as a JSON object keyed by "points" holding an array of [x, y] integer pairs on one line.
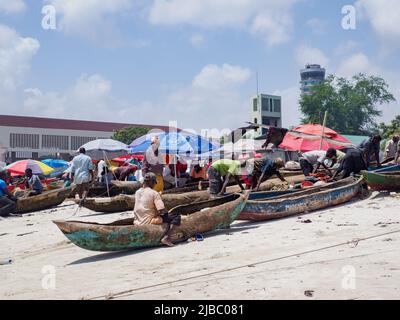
{"points": [[272, 260]]}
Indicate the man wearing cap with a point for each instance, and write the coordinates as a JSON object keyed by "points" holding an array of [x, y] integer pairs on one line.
{"points": [[263, 169], [220, 173], [82, 173], [153, 162], [150, 209]]}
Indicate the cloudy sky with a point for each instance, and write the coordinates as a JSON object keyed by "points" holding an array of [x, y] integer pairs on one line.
{"points": [[193, 61]]}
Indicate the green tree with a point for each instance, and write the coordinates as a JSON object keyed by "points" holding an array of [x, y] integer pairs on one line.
{"points": [[388, 131], [127, 135], [352, 105]]}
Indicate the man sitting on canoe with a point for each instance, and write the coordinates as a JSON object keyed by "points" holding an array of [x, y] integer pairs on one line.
{"points": [[223, 169], [150, 209], [33, 183], [263, 169], [352, 163], [7, 200]]}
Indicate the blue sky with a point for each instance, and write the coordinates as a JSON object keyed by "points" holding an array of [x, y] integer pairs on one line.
{"points": [[192, 61]]}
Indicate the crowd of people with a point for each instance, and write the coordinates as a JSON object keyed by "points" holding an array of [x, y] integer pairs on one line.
{"points": [[157, 173]]}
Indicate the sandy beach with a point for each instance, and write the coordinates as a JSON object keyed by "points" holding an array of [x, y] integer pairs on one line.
{"points": [[345, 252]]}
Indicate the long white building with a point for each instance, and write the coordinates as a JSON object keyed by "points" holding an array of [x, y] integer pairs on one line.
{"points": [[33, 138]]}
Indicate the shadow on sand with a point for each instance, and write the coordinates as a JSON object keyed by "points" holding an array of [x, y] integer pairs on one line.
{"points": [[121, 254]]}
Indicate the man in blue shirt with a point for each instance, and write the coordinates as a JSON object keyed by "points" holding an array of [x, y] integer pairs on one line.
{"points": [[7, 200], [33, 183]]}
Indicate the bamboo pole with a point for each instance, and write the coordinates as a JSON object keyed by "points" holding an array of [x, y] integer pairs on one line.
{"points": [[323, 129]]}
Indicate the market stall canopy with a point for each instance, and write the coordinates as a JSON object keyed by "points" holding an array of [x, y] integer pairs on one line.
{"points": [[37, 167], [242, 146], [105, 149], [309, 137]]}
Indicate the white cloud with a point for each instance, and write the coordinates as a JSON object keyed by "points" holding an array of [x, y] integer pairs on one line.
{"points": [[197, 40], [347, 47], [384, 16], [360, 63], [317, 26], [16, 54], [213, 77], [89, 98], [90, 18], [272, 20], [12, 6], [212, 100], [306, 55]]}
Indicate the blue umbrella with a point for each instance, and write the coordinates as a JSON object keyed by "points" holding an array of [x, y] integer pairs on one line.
{"points": [[178, 143], [56, 163]]}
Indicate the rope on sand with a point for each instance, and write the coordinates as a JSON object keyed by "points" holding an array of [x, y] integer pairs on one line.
{"points": [[353, 243]]}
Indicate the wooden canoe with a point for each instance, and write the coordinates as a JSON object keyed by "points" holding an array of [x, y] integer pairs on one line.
{"points": [[43, 201], [201, 217], [124, 203], [116, 188], [382, 181], [293, 203]]}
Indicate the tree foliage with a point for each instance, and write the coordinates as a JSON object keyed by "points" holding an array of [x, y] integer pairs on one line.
{"points": [[352, 105], [388, 131], [127, 135]]}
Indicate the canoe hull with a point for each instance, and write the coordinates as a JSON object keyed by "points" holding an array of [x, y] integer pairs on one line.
{"points": [[300, 202], [43, 201], [123, 235], [382, 182], [124, 203]]}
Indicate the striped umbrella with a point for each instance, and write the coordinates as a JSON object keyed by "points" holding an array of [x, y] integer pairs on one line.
{"points": [[37, 167]]}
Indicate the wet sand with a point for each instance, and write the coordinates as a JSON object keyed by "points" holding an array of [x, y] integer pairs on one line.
{"points": [[345, 252]]}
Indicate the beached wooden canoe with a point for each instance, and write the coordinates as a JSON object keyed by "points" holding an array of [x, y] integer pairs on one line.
{"points": [[115, 188], [269, 206], [197, 218], [383, 181], [123, 203], [43, 201]]}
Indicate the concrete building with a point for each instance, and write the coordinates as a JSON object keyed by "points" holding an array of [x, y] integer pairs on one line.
{"points": [[33, 138], [311, 75], [266, 109]]}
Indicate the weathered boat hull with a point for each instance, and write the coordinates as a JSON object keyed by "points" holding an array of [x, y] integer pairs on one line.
{"points": [[123, 235], [311, 199], [382, 181], [124, 203], [43, 201]]}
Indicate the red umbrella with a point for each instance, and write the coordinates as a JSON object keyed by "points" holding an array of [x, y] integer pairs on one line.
{"points": [[308, 138]]}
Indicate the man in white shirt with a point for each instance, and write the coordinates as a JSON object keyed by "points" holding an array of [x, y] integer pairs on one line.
{"points": [[392, 147], [311, 161], [82, 173]]}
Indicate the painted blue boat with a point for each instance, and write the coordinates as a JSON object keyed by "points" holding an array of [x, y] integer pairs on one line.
{"points": [[298, 202], [391, 168]]}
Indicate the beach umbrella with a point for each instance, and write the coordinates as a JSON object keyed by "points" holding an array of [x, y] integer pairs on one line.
{"points": [[19, 167], [56, 163], [180, 143], [105, 149], [311, 137]]}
